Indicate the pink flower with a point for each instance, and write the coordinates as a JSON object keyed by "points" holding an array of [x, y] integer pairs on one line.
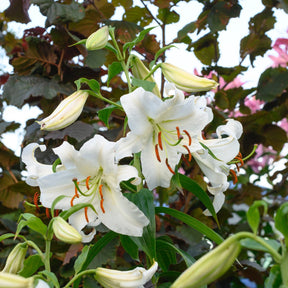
{"points": [[281, 47], [264, 156]]}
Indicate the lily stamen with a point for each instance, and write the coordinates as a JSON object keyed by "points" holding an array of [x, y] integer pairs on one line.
{"points": [[102, 198], [189, 137], [160, 140], [86, 214], [178, 132], [157, 153], [234, 176], [169, 167], [189, 152], [35, 200], [87, 182]]}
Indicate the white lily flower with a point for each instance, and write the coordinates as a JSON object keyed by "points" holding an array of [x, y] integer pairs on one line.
{"points": [[162, 130], [98, 179], [216, 170], [135, 278]]}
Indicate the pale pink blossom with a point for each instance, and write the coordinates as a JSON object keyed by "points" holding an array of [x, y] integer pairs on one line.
{"points": [[280, 47]]}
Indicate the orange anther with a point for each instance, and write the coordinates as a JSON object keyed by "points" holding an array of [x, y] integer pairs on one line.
{"points": [[189, 153], [86, 214], [101, 205], [157, 153], [100, 191], [169, 167], [189, 137], [178, 132], [240, 159], [234, 176], [87, 182], [160, 140], [35, 200]]}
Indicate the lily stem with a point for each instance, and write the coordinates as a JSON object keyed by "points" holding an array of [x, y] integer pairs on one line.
{"points": [[77, 276]]}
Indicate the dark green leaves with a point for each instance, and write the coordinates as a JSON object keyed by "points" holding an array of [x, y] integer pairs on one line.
{"points": [[192, 222], [272, 83], [281, 220], [18, 89]]}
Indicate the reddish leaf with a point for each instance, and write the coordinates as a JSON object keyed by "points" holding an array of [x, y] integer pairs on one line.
{"points": [[18, 11]]}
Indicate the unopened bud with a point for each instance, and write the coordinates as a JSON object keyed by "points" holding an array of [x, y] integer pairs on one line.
{"points": [[140, 71], [15, 260], [185, 81], [135, 278], [65, 232], [98, 39], [8, 280], [66, 112], [209, 267]]}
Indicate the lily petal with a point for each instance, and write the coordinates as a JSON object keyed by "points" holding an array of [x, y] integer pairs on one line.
{"points": [[35, 169]]}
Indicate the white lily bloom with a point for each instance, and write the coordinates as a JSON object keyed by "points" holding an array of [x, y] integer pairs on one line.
{"points": [[98, 179], [135, 278], [162, 130], [216, 170]]}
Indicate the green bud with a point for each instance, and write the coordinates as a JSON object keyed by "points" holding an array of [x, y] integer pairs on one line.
{"points": [[98, 39], [65, 232], [8, 280], [185, 81], [140, 71], [66, 112], [209, 267], [15, 260]]}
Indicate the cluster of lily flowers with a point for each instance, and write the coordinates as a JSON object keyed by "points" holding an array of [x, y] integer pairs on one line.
{"points": [[163, 129]]}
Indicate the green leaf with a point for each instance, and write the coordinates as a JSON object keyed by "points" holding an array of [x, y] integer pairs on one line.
{"points": [[114, 69], [92, 83], [188, 28], [146, 85], [166, 255], [192, 222], [274, 279], [164, 244], [281, 220], [81, 259], [51, 277], [95, 59], [168, 16], [192, 186], [61, 13], [19, 88], [138, 39], [272, 83], [33, 223], [94, 250], [253, 245], [145, 202], [253, 214], [31, 265], [206, 49], [129, 246], [6, 236], [104, 114], [220, 14], [158, 54]]}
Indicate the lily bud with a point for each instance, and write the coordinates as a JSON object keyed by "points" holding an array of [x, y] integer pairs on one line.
{"points": [[8, 280], [66, 112], [15, 260], [209, 267], [185, 81], [136, 278], [65, 232], [140, 71], [98, 39]]}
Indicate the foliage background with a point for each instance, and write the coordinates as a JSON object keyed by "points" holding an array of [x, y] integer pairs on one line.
{"points": [[46, 66]]}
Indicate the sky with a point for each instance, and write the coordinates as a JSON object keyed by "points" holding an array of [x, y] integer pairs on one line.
{"points": [[229, 49]]}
